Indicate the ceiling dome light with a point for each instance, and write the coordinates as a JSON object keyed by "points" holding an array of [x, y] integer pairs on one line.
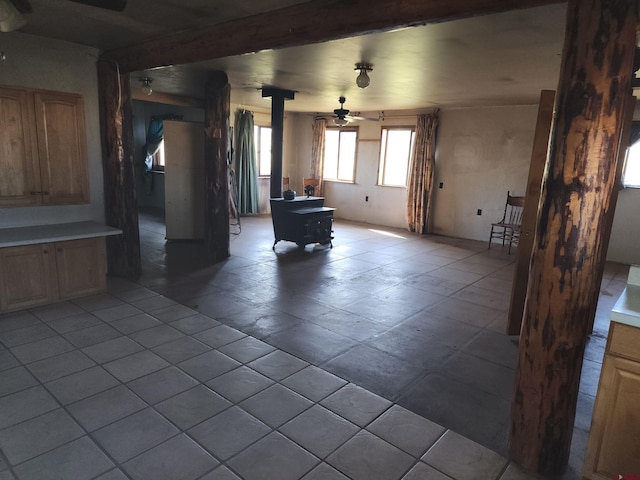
{"points": [[146, 85], [340, 121], [363, 79]]}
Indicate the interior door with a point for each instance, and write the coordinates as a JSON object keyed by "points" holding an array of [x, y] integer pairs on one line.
{"points": [[184, 180]]}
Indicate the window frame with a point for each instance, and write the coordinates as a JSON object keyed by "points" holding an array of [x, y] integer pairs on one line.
{"points": [[382, 162], [158, 159], [256, 142], [633, 160], [352, 128]]}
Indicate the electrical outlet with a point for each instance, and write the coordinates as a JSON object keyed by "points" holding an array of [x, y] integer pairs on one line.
{"points": [[479, 211], [441, 185], [366, 198]]}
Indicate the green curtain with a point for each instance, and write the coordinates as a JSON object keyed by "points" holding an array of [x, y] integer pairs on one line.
{"points": [[245, 164]]}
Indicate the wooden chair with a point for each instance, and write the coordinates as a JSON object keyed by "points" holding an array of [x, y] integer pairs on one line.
{"points": [[508, 228], [285, 183], [314, 182]]}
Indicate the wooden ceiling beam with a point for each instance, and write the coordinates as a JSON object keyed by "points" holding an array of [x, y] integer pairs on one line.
{"points": [[307, 23]]}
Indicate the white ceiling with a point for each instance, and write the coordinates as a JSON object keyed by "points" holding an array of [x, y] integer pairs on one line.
{"points": [[501, 59]]}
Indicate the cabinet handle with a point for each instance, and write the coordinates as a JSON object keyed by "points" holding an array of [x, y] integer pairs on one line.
{"points": [[45, 251], [36, 193], [45, 193]]}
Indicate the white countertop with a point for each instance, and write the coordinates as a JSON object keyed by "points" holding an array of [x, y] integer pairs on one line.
{"points": [[13, 237], [627, 308]]}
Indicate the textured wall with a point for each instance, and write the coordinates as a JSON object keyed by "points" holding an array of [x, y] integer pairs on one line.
{"points": [[54, 65]]}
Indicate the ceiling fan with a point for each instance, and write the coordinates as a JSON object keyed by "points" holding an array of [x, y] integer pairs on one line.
{"points": [[12, 11], [341, 115]]}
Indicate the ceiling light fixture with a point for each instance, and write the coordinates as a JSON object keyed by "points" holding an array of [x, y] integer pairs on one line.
{"points": [[146, 85], [340, 121], [363, 79], [10, 17]]}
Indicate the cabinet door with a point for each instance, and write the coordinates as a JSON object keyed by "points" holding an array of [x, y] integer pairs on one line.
{"points": [[20, 178], [27, 276], [613, 447], [62, 147], [81, 267]]}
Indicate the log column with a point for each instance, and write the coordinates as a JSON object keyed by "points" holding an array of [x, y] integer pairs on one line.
{"points": [[595, 79], [123, 251], [217, 153]]}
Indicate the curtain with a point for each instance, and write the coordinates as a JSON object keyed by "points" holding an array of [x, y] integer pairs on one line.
{"points": [[155, 134], [245, 164], [421, 174], [317, 153]]}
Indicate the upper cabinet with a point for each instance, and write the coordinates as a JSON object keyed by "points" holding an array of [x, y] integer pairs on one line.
{"points": [[18, 161], [42, 148]]}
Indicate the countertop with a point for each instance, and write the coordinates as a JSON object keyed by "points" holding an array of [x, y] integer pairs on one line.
{"points": [[17, 236], [627, 308]]}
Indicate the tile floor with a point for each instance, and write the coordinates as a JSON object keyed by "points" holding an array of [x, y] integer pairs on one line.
{"points": [[382, 358]]}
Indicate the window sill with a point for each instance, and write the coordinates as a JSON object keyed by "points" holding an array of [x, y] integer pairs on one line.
{"points": [[352, 182]]}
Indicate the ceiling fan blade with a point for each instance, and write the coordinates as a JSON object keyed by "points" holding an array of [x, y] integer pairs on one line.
{"points": [[23, 6], [116, 5], [368, 119]]}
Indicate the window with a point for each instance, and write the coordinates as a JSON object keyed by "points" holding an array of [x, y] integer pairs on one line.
{"points": [[631, 172], [262, 140], [396, 146], [158, 158], [340, 154]]}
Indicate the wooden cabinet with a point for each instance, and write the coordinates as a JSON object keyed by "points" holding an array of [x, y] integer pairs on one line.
{"points": [[40, 274], [81, 267], [27, 276], [613, 447], [42, 148], [18, 156], [62, 148]]}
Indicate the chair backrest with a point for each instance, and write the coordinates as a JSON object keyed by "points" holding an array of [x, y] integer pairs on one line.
{"points": [[311, 181], [315, 182], [285, 183], [513, 209]]}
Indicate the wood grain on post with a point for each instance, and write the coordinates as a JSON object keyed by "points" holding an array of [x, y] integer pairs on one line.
{"points": [[217, 111], [121, 210], [595, 80]]}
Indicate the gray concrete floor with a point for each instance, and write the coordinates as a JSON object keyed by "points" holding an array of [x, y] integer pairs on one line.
{"points": [[381, 358], [418, 320]]}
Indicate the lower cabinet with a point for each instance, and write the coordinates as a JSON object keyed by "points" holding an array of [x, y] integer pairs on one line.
{"points": [[613, 450], [40, 274]]}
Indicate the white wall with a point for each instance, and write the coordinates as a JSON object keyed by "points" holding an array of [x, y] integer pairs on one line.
{"points": [[624, 244], [385, 205], [481, 154], [60, 66]]}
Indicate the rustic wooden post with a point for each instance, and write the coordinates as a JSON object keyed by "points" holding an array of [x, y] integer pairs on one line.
{"points": [[622, 151], [530, 213], [217, 110], [278, 97], [595, 80], [123, 251]]}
